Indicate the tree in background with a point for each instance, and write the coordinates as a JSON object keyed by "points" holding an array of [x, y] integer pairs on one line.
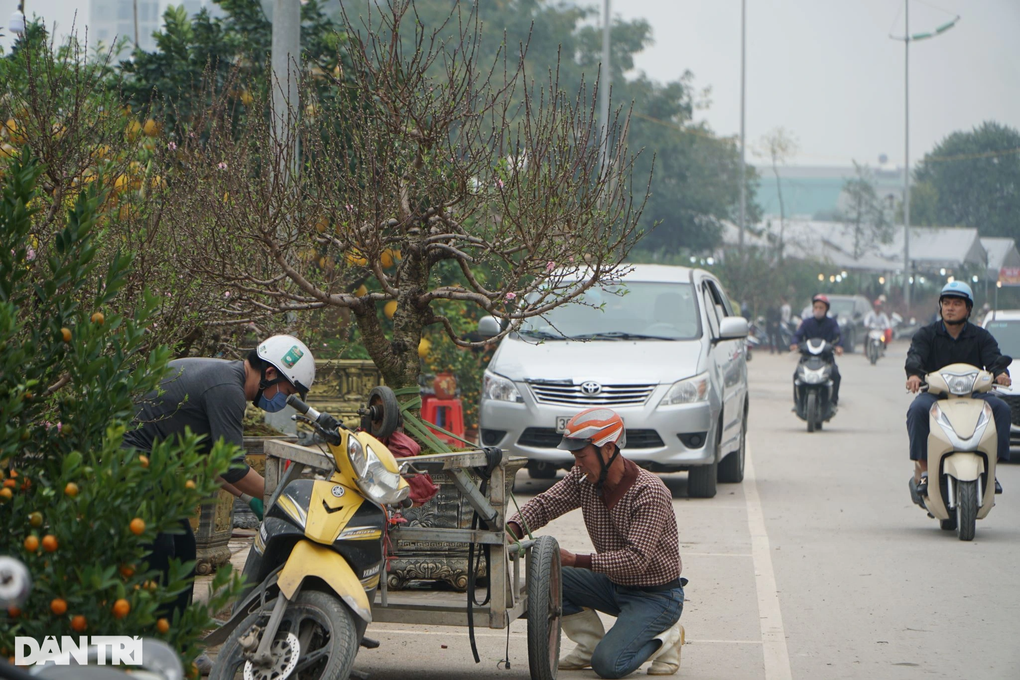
{"points": [[864, 217], [778, 146], [434, 176], [695, 185], [971, 179]]}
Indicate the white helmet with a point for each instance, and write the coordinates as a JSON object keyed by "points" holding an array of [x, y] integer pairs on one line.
{"points": [[292, 359]]}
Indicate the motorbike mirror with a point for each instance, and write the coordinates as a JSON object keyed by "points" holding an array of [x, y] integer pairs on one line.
{"points": [[489, 326]]}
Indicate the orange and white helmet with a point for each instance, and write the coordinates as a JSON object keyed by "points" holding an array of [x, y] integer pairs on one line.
{"points": [[598, 426]]}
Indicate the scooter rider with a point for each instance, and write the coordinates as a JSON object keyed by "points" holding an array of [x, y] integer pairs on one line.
{"points": [[821, 325], [952, 340], [634, 573], [876, 319], [209, 396]]}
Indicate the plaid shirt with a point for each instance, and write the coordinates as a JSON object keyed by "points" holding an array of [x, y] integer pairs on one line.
{"points": [[633, 530]]}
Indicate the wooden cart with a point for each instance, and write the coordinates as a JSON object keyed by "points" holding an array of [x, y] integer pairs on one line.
{"points": [[532, 589]]}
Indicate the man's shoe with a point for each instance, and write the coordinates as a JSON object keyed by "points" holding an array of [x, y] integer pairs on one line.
{"points": [[584, 628], [998, 487], [666, 659]]}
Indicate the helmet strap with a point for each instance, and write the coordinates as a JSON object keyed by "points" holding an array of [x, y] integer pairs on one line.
{"points": [[264, 384], [605, 469]]}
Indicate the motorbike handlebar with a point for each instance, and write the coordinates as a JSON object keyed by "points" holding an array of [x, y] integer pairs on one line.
{"points": [[294, 401]]}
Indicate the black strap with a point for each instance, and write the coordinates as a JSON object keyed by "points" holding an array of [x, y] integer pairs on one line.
{"points": [[492, 462]]}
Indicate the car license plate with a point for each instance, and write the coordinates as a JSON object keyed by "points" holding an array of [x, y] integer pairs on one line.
{"points": [[561, 423]]}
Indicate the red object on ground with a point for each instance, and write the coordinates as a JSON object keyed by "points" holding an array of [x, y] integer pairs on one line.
{"points": [[445, 413]]}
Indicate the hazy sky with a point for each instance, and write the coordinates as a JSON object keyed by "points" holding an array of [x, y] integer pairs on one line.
{"points": [[825, 70]]}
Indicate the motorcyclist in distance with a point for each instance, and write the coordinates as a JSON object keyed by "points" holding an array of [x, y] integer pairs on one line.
{"points": [[952, 340], [877, 319], [821, 325]]}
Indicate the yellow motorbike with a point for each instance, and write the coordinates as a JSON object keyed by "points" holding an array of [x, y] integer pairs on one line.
{"points": [[315, 564]]}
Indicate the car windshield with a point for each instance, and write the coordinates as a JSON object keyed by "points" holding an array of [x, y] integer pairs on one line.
{"points": [[631, 311], [1007, 334], [842, 308]]}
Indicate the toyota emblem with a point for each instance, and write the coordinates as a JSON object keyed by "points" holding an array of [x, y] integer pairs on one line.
{"points": [[591, 388]]}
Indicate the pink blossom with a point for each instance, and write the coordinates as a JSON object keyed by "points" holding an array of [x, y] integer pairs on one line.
{"points": [[222, 165], [226, 294], [171, 146], [350, 208], [510, 296], [499, 183], [60, 426], [30, 254], [191, 134], [549, 266]]}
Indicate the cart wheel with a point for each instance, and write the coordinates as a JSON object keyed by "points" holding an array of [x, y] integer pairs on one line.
{"points": [[383, 416], [545, 592]]}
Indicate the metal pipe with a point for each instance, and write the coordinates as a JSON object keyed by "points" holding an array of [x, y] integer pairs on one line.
{"points": [[743, 166], [906, 157]]}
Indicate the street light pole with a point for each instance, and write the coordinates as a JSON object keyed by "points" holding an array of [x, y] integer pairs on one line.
{"points": [[907, 38], [605, 82], [906, 156], [286, 65], [743, 167]]}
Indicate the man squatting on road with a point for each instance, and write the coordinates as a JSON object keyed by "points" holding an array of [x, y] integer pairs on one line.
{"points": [[634, 573]]}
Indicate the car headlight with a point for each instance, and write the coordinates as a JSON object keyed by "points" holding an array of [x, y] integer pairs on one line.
{"points": [[960, 384], [374, 480], [498, 388], [689, 391]]}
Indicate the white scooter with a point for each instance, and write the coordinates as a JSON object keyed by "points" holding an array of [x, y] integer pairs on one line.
{"points": [[962, 449]]}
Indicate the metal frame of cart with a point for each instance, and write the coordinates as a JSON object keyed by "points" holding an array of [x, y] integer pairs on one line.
{"points": [[534, 593]]}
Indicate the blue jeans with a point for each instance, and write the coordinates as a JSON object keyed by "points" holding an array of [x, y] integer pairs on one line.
{"points": [[917, 424], [640, 616]]}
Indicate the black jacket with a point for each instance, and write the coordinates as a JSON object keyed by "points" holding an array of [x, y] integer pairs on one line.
{"points": [[933, 348], [827, 329]]}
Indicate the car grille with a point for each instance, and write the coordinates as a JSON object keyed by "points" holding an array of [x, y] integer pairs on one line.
{"points": [[549, 438], [572, 395], [1014, 407]]}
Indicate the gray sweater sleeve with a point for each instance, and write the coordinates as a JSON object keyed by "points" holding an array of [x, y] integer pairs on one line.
{"points": [[226, 421]]}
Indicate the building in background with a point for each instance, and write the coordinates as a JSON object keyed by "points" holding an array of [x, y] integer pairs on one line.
{"points": [[813, 192]]}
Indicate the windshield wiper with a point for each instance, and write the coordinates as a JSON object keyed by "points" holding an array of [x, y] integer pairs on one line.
{"points": [[542, 335], [618, 335]]}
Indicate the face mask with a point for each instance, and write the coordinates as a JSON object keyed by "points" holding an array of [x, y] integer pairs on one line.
{"points": [[277, 403]]}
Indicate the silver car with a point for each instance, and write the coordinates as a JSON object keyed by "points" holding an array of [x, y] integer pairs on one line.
{"points": [[663, 349], [1004, 325]]}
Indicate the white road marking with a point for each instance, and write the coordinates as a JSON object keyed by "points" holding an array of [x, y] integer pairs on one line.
{"points": [[773, 636]]}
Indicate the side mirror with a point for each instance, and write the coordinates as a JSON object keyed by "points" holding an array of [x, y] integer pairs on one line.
{"points": [[489, 327], [733, 328]]}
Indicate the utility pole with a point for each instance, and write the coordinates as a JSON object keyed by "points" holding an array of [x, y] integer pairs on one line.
{"points": [[605, 82], [135, 6], [743, 167], [907, 38], [906, 155], [286, 63]]}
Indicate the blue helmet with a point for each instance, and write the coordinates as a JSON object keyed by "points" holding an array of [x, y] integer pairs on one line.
{"points": [[957, 289]]}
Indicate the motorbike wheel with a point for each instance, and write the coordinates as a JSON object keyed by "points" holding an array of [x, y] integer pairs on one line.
{"points": [[872, 353], [545, 601], [966, 509], [321, 627], [384, 418], [811, 411]]}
